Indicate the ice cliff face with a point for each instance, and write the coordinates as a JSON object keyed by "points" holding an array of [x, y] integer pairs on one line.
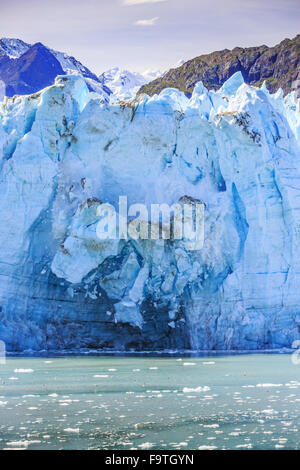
{"points": [[63, 152]]}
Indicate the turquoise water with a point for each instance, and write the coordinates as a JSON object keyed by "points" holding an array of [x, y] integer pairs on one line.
{"points": [[232, 402]]}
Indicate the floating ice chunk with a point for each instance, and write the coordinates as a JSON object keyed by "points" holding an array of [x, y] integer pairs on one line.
{"points": [[207, 447], [269, 411], [269, 385], [24, 443], [199, 389], [146, 445]]}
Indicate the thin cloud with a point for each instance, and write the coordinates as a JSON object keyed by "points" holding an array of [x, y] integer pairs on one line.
{"points": [[150, 22], [139, 2]]}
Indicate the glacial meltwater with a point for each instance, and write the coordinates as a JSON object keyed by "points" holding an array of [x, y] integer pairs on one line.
{"points": [[219, 402]]}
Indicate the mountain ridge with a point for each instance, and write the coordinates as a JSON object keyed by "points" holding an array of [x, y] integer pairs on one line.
{"points": [[31, 71], [26, 68], [279, 66]]}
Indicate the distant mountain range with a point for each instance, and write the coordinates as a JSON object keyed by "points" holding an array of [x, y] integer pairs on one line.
{"points": [[26, 69], [125, 84], [279, 66]]}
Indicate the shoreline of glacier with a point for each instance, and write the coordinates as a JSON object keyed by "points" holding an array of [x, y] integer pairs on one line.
{"points": [[141, 354]]}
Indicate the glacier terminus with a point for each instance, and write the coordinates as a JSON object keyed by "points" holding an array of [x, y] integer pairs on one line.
{"points": [[65, 150]]}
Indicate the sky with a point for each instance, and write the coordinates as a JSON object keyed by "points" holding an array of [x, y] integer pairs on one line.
{"points": [[147, 34]]}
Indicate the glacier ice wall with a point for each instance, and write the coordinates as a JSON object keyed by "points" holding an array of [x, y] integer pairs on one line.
{"points": [[63, 152]]}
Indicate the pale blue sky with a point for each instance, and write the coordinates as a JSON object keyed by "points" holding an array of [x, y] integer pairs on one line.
{"points": [[141, 34]]}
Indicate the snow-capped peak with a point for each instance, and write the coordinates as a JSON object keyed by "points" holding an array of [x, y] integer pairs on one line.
{"points": [[13, 48], [125, 84]]}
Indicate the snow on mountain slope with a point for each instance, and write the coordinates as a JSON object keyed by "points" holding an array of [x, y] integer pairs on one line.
{"points": [[125, 84], [63, 151], [20, 74], [13, 48], [32, 71], [72, 66], [122, 83]]}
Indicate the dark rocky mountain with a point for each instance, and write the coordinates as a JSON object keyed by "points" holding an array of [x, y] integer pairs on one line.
{"points": [[26, 68], [279, 66], [34, 70]]}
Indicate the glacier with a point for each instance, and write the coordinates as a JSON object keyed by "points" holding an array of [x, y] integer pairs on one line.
{"points": [[63, 151]]}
